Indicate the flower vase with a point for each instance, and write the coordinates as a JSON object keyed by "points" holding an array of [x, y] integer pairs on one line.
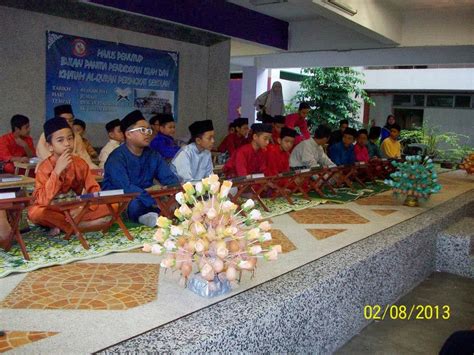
{"points": [[411, 201], [208, 289]]}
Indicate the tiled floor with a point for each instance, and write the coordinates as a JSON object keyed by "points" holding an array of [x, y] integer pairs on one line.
{"points": [[121, 295], [278, 237], [382, 200], [384, 212], [325, 233], [15, 339], [328, 216], [86, 286]]}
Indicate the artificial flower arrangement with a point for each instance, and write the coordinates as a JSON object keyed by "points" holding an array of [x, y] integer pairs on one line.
{"points": [[415, 177], [211, 236]]}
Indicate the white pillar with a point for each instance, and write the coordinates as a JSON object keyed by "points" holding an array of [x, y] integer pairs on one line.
{"points": [[254, 83]]}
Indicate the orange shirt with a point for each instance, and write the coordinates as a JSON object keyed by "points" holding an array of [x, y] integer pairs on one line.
{"points": [[76, 177]]}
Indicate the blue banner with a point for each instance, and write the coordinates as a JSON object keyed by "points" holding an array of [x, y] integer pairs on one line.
{"points": [[105, 80]]}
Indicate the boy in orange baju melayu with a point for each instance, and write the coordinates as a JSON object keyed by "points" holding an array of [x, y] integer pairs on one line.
{"points": [[60, 173]]}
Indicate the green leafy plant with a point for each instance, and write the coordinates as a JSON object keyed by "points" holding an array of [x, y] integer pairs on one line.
{"points": [[333, 93], [440, 145]]}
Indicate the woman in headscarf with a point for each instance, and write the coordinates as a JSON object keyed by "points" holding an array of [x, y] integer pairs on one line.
{"points": [[388, 125], [271, 101]]}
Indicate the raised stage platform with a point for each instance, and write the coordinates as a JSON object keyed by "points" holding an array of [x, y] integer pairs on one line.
{"points": [[336, 260]]}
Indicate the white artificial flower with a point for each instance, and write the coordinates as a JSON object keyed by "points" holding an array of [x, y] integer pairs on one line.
{"points": [[256, 249], [255, 215], [169, 245], [180, 198], [157, 249], [176, 230], [249, 204]]}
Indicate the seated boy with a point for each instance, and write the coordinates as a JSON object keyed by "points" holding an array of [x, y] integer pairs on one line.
{"points": [[278, 122], [391, 146], [278, 155], [336, 136], [163, 142], [79, 127], [361, 152], [373, 143], [250, 159], [133, 166], [226, 142], [58, 174], [310, 153], [237, 139], [194, 161], [16, 146], [155, 125], [298, 119], [115, 139], [342, 153], [78, 149]]}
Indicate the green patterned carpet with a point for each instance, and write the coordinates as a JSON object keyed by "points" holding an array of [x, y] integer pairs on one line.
{"points": [[47, 251]]}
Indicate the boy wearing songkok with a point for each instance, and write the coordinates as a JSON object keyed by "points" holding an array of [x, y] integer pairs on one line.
{"points": [[235, 140], [250, 158], [194, 161], [60, 173], [78, 148], [133, 166], [278, 155]]}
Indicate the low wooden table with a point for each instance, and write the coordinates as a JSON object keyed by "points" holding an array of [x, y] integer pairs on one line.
{"points": [[14, 207], [165, 198], [24, 182], [27, 166], [66, 207], [252, 186]]}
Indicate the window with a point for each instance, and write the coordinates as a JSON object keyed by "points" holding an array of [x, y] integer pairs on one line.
{"points": [[419, 100], [401, 100], [462, 101], [440, 101]]}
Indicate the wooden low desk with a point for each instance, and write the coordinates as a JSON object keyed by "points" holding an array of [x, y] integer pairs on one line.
{"points": [[254, 186], [66, 207], [14, 207], [24, 182], [27, 166], [165, 198]]}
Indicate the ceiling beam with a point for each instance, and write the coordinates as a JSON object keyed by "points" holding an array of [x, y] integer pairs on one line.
{"points": [[217, 16]]}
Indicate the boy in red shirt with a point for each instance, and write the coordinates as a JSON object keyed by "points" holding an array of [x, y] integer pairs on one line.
{"points": [[235, 140], [278, 122], [17, 146], [250, 158], [361, 151], [278, 155]]}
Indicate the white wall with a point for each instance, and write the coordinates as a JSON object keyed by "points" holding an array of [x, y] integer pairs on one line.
{"points": [[419, 79], [382, 108], [459, 121], [203, 71]]}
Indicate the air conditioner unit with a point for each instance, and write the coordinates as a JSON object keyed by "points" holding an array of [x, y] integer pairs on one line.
{"points": [[266, 2]]}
